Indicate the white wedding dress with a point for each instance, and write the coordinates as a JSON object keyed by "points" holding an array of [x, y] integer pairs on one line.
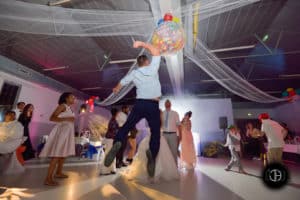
{"points": [[165, 169]]}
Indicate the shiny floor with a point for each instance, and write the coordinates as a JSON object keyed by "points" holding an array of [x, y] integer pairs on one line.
{"points": [[208, 181]]}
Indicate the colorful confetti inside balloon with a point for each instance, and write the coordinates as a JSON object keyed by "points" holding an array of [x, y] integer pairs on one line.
{"points": [[160, 22], [285, 94], [176, 19], [168, 17], [292, 93], [168, 37]]}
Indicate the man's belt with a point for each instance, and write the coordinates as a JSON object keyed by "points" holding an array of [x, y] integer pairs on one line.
{"points": [[165, 132]]}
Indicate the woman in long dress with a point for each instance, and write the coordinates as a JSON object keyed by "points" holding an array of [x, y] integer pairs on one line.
{"points": [[61, 141], [25, 119], [165, 168], [188, 154]]}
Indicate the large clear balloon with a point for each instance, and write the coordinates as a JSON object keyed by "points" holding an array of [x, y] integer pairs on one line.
{"points": [[168, 37]]}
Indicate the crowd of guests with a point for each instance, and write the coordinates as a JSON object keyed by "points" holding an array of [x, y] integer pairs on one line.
{"points": [[176, 134]]}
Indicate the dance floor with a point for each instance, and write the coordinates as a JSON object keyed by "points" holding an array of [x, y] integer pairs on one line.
{"points": [[208, 181]]}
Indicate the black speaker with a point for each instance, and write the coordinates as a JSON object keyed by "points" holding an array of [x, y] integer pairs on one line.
{"points": [[223, 122]]}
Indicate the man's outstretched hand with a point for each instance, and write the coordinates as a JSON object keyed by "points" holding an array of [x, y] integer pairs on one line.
{"points": [[153, 50], [138, 44]]}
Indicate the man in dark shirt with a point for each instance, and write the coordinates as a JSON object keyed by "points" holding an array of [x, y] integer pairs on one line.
{"points": [[112, 130]]}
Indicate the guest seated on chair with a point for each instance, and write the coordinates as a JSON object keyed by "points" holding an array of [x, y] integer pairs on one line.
{"points": [[11, 137], [10, 130]]}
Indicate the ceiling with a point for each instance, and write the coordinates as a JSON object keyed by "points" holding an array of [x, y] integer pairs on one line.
{"points": [[272, 26]]}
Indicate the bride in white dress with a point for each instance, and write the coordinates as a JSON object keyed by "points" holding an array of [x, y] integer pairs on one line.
{"points": [[165, 168]]}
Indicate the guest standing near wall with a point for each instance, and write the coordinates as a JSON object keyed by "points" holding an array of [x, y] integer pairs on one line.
{"points": [[25, 119], [171, 124], [112, 130], [19, 109], [121, 119], [188, 153], [132, 144], [61, 141]]}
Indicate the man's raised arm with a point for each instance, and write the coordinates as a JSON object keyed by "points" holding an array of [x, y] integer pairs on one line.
{"points": [[152, 49]]}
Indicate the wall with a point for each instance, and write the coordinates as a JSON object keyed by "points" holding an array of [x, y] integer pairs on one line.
{"points": [[289, 113], [205, 119], [243, 113], [44, 101]]}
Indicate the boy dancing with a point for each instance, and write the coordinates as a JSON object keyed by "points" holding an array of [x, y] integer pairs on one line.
{"points": [[233, 143]]}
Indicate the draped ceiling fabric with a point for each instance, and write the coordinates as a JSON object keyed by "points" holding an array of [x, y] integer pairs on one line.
{"points": [[174, 63], [21, 17]]}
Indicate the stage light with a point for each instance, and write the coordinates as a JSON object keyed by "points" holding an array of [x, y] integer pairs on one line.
{"points": [[249, 114], [83, 108]]}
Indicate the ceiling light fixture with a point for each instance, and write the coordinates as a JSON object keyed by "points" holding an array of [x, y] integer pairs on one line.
{"points": [[232, 49], [56, 3], [122, 61], [265, 38], [55, 68], [290, 76]]}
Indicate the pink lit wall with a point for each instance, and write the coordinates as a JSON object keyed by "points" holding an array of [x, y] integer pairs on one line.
{"points": [[289, 113]]}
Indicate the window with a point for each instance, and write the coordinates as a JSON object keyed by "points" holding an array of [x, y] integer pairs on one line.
{"points": [[8, 97]]}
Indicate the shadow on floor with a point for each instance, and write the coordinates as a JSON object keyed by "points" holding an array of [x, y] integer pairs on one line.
{"points": [[295, 185], [193, 185], [247, 174]]}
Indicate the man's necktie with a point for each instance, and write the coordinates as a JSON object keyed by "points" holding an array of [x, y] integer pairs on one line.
{"points": [[167, 120]]}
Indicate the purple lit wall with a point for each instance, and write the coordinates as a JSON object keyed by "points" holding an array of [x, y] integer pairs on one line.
{"points": [[289, 113]]}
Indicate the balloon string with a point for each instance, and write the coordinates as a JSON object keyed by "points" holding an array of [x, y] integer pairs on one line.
{"points": [[133, 40]]}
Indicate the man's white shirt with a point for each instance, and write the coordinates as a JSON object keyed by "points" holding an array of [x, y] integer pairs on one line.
{"points": [[170, 121], [274, 133]]}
